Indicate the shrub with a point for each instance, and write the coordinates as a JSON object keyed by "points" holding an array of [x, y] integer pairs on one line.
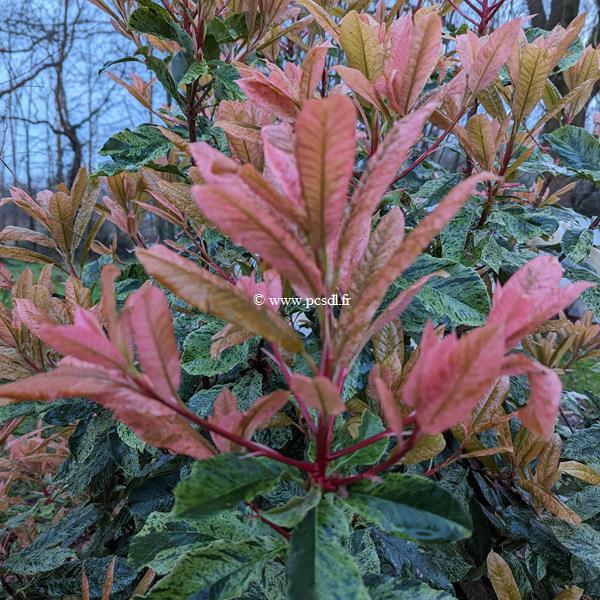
{"points": [[341, 377]]}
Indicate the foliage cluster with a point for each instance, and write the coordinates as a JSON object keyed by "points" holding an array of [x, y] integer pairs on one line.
{"points": [[168, 437]]}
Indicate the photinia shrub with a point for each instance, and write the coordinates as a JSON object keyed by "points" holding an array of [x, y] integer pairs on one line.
{"points": [[342, 375]]}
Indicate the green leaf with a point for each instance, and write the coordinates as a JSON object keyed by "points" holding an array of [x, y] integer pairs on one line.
{"points": [[433, 190], [227, 30], [21, 409], [572, 55], [459, 299], [154, 19], [583, 377], [196, 358], [223, 482], [295, 510], [455, 233], [586, 503], [583, 445], [497, 257], [384, 587], [522, 223], [195, 71], [578, 150], [117, 61], [129, 438], [583, 542], [160, 69], [437, 565], [223, 569], [411, 506], [577, 243], [164, 537], [591, 296], [364, 550], [319, 565], [131, 149], [50, 548], [224, 86], [370, 425]]}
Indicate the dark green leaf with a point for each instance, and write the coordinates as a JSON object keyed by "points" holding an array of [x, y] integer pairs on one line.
{"points": [[224, 85], [389, 588], [586, 503], [319, 565], [578, 150], [583, 445], [227, 30], [583, 542], [165, 537], [50, 549], [292, 512], [154, 19], [412, 507], [459, 299], [370, 425], [196, 358], [195, 71], [583, 377], [454, 235], [223, 482], [591, 296], [222, 569], [131, 149], [577, 243]]}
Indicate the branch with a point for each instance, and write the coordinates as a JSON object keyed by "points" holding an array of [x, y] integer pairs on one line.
{"points": [[33, 75]]}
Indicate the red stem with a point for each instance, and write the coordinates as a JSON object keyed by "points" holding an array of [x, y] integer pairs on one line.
{"points": [[323, 435], [402, 450], [359, 445], [462, 14], [472, 6], [232, 437], [273, 526], [275, 356], [431, 149]]}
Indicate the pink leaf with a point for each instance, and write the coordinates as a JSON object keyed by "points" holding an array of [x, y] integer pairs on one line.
{"points": [[451, 376], [381, 171], [325, 149], [152, 420], [539, 416], [530, 297], [360, 85], [413, 72], [157, 348], [312, 71], [83, 380], [244, 424], [84, 340], [372, 280], [214, 166], [268, 95], [389, 406], [280, 165], [119, 329], [6, 278], [250, 224], [318, 393], [492, 55], [31, 316], [211, 294]]}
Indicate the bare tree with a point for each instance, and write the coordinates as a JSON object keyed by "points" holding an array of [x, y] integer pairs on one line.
{"points": [[55, 108]]}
